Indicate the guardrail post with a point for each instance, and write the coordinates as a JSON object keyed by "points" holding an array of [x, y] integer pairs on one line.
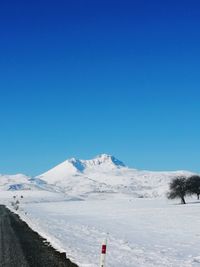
{"points": [[103, 253]]}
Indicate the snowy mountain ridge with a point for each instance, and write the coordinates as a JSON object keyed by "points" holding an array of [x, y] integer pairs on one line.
{"points": [[19, 182], [106, 174], [103, 159], [102, 174]]}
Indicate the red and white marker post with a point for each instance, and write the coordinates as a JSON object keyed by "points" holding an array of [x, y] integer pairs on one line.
{"points": [[103, 253]]}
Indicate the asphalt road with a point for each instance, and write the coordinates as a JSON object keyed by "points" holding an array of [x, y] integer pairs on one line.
{"points": [[22, 247]]}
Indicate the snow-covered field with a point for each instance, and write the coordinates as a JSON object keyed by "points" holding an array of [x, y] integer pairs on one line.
{"points": [[142, 232], [75, 204]]}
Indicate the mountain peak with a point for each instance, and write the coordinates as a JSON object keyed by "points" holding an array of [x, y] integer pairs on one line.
{"points": [[100, 160], [105, 158], [75, 166]]}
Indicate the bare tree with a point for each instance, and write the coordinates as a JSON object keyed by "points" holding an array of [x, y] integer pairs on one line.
{"points": [[178, 188], [193, 185]]}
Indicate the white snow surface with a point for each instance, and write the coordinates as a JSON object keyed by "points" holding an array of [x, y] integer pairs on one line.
{"points": [[142, 232], [75, 204]]}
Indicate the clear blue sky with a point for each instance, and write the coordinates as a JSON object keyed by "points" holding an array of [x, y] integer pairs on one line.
{"points": [[79, 78]]}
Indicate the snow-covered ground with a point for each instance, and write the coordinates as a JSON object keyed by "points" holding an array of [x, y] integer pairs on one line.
{"points": [[142, 232], [75, 204]]}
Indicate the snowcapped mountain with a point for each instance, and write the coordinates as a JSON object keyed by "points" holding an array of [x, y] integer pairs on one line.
{"points": [[103, 174], [106, 174], [77, 167]]}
